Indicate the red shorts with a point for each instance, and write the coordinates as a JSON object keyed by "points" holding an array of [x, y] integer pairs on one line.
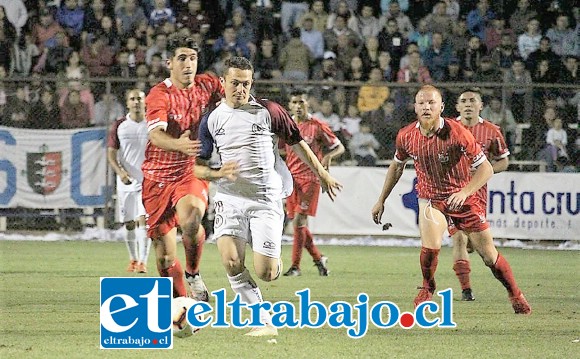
{"points": [[160, 199], [470, 218], [304, 198]]}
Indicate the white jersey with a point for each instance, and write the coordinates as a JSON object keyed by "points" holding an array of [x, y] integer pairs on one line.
{"points": [[130, 139], [249, 136]]}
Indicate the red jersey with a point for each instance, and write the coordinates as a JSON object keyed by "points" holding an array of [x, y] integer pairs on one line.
{"points": [[318, 135], [443, 161], [492, 142], [176, 110]]}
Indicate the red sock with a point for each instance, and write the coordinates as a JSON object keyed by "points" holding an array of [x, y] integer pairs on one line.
{"points": [[176, 272], [297, 246], [193, 250], [462, 270], [429, 259], [309, 244], [503, 272]]}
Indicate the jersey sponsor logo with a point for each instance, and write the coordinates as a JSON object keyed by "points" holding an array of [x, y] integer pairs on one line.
{"points": [[135, 313], [443, 157], [257, 128], [220, 132], [175, 117], [269, 245]]}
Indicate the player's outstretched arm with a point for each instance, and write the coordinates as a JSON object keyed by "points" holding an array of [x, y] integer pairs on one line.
{"points": [[183, 144], [329, 184], [228, 170], [394, 173], [480, 177]]}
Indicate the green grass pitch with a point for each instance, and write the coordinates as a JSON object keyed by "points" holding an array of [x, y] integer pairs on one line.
{"points": [[49, 305]]}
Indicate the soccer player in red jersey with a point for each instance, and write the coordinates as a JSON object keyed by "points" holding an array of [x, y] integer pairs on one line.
{"points": [[445, 154], [304, 199], [493, 144], [172, 195]]}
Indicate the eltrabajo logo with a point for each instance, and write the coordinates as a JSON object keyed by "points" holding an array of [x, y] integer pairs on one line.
{"points": [[136, 313]]}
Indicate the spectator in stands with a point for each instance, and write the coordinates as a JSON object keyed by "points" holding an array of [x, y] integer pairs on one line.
{"points": [[544, 52], [519, 90], [356, 71], [128, 15], [421, 36], [15, 11], [437, 57], [368, 23], [245, 32], [521, 17], [373, 94], [98, 56], [331, 35], [267, 66], [414, 71], [351, 122], [363, 146], [160, 47], [502, 116], [438, 21], [295, 58], [121, 68], [290, 12], [329, 73], [349, 16], [544, 73], [529, 41], [136, 54], [369, 54], [328, 115], [318, 15], [452, 9], [94, 14], [24, 54], [18, 109], [384, 125], [494, 33], [411, 47], [9, 30], [109, 32], [45, 113], [157, 67], [3, 95], [75, 69], [479, 19], [107, 110], [504, 55], [419, 9], [404, 24], [161, 14], [71, 16], [346, 50], [487, 72], [312, 38], [44, 32], [57, 55], [385, 65], [229, 42], [193, 17], [470, 58], [262, 17], [392, 41], [564, 39], [557, 141], [459, 39], [74, 113]]}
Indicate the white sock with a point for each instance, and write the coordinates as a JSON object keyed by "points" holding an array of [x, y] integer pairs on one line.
{"points": [[131, 244], [245, 285], [143, 243]]}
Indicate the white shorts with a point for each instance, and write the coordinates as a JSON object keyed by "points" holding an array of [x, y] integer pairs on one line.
{"points": [[258, 223], [129, 206]]}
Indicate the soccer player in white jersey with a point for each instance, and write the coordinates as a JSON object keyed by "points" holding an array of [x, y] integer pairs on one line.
{"points": [[248, 201], [125, 153]]}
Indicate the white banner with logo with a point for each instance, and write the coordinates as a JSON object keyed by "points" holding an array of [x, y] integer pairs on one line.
{"points": [[52, 168], [535, 206]]}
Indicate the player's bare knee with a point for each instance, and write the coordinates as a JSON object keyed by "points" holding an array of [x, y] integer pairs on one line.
{"points": [[233, 265], [166, 261], [267, 274], [130, 225], [191, 225]]}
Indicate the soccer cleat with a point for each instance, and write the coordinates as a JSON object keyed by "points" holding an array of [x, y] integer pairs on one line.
{"points": [[197, 288], [141, 268], [293, 272], [267, 330], [520, 305], [132, 267], [467, 295], [424, 295], [322, 268]]}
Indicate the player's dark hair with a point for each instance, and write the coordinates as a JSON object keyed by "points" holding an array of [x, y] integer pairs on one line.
{"points": [[475, 90], [178, 42], [237, 62], [298, 92]]}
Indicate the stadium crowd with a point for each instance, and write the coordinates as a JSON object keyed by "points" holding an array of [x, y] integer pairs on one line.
{"points": [[56, 58]]}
